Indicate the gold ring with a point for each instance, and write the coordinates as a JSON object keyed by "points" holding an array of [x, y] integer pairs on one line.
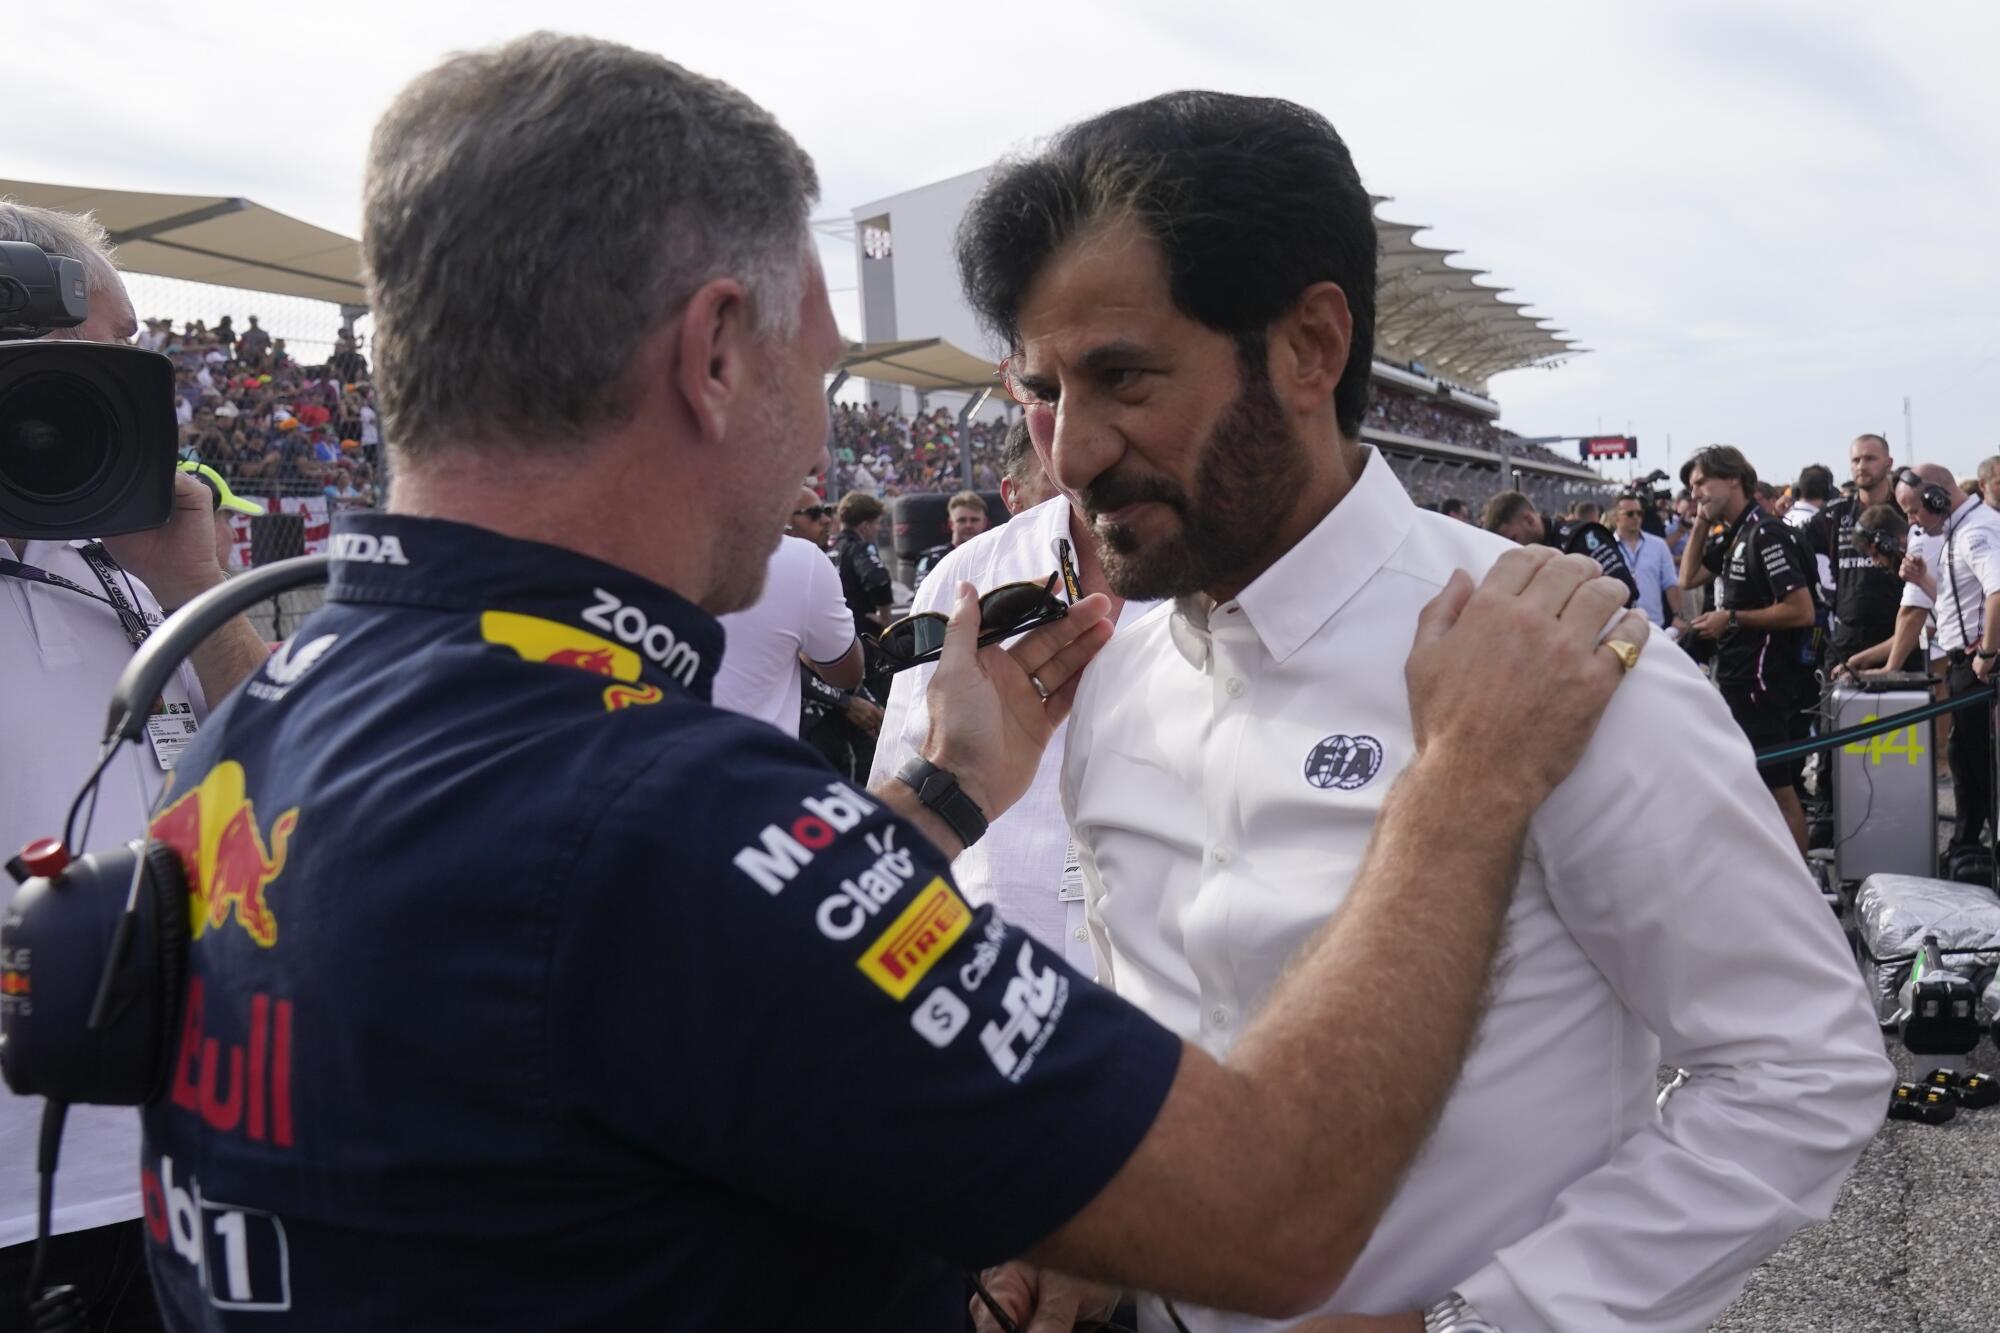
{"points": [[1626, 653]]}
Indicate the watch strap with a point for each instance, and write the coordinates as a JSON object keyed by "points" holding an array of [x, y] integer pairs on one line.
{"points": [[938, 792], [1454, 1314]]}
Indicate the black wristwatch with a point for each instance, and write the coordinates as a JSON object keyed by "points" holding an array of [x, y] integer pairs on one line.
{"points": [[938, 792]]}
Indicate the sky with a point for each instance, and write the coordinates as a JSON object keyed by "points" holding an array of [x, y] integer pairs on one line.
{"points": [[1771, 223]]}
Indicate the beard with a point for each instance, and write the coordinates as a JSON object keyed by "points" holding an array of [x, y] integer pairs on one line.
{"points": [[1251, 462]]}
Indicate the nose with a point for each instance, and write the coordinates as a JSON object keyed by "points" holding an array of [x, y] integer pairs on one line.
{"points": [[1080, 444]]}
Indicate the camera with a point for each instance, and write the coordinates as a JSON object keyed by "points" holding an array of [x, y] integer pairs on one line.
{"points": [[88, 431]]}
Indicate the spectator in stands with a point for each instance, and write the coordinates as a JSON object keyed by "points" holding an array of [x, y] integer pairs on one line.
{"points": [[346, 363], [1966, 598], [1513, 515], [1764, 606], [812, 518], [1453, 507], [1650, 562], [1023, 482]]}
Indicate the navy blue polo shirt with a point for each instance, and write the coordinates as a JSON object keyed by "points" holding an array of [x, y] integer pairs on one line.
{"points": [[531, 991]]}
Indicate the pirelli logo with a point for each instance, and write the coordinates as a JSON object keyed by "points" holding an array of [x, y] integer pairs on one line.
{"points": [[920, 935]]}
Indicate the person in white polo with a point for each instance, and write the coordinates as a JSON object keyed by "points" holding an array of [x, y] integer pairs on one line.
{"points": [[1025, 864], [1189, 286], [800, 618]]}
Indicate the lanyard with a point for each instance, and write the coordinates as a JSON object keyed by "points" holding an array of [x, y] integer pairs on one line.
{"points": [[103, 566]]}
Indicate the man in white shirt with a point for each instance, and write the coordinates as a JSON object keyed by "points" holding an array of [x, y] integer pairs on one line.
{"points": [[1229, 752], [1025, 865], [801, 618], [1651, 563], [71, 614], [1965, 597]]}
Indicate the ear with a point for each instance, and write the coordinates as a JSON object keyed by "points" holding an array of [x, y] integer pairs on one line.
{"points": [[711, 364], [1309, 348]]}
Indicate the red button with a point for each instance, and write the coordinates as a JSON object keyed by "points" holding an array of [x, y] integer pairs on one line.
{"points": [[46, 857]]}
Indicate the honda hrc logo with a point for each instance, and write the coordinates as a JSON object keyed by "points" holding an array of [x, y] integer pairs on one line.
{"points": [[365, 548]]}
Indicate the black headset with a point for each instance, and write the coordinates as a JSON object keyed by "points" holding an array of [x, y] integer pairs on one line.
{"points": [[96, 947], [1934, 497]]}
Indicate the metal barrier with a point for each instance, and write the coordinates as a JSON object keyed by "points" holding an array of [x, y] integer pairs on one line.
{"points": [[1894, 722]]}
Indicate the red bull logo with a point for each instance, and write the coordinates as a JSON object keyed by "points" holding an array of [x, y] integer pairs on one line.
{"points": [[15, 983], [539, 640], [598, 660], [215, 832]]}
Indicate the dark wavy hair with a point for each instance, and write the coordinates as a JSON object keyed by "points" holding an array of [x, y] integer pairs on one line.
{"points": [[1253, 199]]}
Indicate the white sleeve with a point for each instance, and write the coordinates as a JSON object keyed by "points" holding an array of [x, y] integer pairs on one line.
{"points": [[1982, 557], [1918, 544], [906, 718], [1691, 899], [828, 629]]}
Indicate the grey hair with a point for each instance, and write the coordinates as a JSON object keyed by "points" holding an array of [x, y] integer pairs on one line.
{"points": [[78, 236], [531, 214]]}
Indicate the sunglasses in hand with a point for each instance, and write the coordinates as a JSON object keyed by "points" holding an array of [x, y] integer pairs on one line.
{"points": [[1012, 608]]}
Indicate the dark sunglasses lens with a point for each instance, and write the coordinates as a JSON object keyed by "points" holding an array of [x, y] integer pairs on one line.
{"points": [[915, 636], [1013, 605]]}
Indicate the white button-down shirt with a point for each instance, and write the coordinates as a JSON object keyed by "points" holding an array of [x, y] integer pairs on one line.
{"points": [[1024, 865], [60, 654], [1965, 559], [1224, 770]]}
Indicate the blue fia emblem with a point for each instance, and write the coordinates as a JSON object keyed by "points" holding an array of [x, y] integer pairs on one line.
{"points": [[1344, 763]]}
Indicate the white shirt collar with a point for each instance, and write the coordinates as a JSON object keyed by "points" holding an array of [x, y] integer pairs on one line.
{"points": [[1307, 585]]}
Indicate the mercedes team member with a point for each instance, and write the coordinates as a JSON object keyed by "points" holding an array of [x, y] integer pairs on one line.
{"points": [[1964, 594], [1865, 596], [532, 991], [1188, 286], [864, 579]]}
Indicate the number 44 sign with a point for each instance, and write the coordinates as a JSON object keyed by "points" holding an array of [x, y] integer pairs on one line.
{"points": [[1902, 741]]}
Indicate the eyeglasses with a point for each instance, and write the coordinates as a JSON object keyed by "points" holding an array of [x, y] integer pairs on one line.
{"points": [[813, 511], [1012, 608], [1010, 379]]}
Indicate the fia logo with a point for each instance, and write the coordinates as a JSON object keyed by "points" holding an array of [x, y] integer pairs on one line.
{"points": [[1344, 763]]}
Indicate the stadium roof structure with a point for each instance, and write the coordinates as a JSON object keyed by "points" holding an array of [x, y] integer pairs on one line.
{"points": [[1432, 313], [928, 365], [212, 238]]}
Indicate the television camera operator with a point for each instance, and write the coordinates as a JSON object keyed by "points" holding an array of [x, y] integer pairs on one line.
{"points": [[72, 610], [603, 1008]]}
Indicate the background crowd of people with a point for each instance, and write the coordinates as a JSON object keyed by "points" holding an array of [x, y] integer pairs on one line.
{"points": [[270, 424]]}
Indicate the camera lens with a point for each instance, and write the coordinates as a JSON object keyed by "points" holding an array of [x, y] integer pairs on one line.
{"points": [[55, 438]]}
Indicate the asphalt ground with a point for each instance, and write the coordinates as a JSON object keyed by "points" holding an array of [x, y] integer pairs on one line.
{"points": [[1913, 1245]]}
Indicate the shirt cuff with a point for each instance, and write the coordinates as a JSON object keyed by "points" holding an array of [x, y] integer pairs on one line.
{"points": [[1500, 1303]]}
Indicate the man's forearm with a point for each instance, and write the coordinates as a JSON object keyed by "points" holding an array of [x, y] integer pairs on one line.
{"points": [[1989, 636], [1673, 602], [227, 658]]}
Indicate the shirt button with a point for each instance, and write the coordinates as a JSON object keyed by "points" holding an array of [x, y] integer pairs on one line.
{"points": [[1081, 933], [1219, 1016], [1233, 687], [1220, 856]]}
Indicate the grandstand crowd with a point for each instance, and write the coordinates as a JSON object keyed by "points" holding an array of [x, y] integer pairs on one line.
{"points": [[274, 427]]}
